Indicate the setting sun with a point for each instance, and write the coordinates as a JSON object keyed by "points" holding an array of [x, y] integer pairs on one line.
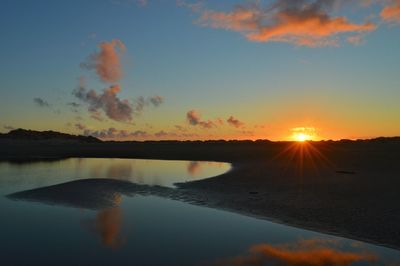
{"points": [[301, 137], [302, 134]]}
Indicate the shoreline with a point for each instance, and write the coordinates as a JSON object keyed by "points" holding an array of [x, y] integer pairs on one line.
{"points": [[332, 201]]}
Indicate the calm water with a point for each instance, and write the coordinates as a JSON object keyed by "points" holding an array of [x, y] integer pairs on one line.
{"points": [[149, 230]]}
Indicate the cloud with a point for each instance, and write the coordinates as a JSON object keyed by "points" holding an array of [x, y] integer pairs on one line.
{"points": [[164, 135], [140, 134], [112, 133], [194, 119], [73, 104], [80, 126], [235, 122], [109, 133], [156, 100], [142, 102], [314, 252], [356, 39], [40, 102], [107, 61], [108, 101], [301, 23], [107, 64], [180, 128], [391, 12], [118, 134], [96, 115], [219, 121]]}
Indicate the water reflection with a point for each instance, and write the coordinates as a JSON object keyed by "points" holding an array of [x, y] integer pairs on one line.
{"points": [[195, 168], [310, 252], [107, 225], [150, 172], [172, 232], [120, 170]]}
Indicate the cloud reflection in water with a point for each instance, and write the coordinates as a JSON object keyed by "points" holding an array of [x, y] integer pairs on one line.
{"points": [[311, 252]]}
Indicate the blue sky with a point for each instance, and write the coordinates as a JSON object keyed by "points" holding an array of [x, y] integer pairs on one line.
{"points": [[344, 91]]}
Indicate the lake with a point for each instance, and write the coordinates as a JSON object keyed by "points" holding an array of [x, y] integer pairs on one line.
{"points": [[79, 212]]}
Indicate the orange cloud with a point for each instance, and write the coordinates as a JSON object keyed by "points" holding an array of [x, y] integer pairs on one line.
{"points": [[391, 13], [304, 252], [301, 23], [106, 62]]}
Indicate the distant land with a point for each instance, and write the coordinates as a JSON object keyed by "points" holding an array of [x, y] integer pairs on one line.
{"points": [[27, 134]]}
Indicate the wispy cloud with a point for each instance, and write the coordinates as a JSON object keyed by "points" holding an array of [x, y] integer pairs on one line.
{"points": [[302, 23], [110, 133], [8, 127], [193, 117], [96, 115], [40, 102], [74, 104], [235, 122], [165, 135], [141, 102], [121, 134], [156, 100]]}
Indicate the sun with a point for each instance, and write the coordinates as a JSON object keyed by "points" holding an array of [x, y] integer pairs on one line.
{"points": [[303, 134], [301, 137]]}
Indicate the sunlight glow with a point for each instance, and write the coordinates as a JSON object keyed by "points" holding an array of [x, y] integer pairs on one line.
{"points": [[302, 134], [301, 137]]}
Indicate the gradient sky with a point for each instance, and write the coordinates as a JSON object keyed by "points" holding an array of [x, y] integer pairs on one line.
{"points": [[216, 69]]}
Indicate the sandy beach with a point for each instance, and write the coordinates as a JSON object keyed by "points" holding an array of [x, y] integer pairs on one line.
{"points": [[344, 188]]}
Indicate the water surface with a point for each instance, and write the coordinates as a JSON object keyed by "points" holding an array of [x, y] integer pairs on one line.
{"points": [[149, 230]]}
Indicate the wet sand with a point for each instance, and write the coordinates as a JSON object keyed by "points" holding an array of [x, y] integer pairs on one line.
{"points": [[345, 188]]}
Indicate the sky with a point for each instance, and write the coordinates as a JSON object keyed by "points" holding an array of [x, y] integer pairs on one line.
{"points": [[188, 70]]}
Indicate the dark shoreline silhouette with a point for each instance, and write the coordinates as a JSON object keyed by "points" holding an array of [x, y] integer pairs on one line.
{"points": [[348, 188]]}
